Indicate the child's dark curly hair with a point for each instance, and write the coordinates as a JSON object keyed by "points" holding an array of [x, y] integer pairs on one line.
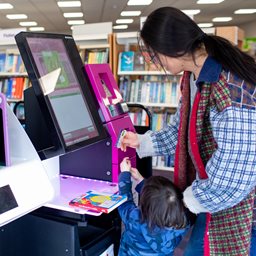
{"points": [[161, 204]]}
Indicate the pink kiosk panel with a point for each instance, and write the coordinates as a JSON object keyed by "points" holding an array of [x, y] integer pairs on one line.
{"points": [[114, 111]]}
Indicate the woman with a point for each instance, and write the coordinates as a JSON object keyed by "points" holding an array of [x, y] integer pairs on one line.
{"points": [[213, 133]]}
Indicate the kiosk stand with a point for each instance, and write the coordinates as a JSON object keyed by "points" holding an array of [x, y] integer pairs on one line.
{"points": [[24, 184], [73, 116], [114, 111]]}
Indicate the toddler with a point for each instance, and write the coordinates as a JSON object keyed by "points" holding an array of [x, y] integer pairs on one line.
{"points": [[157, 226]]}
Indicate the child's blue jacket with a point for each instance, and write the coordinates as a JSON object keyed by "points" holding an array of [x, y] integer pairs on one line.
{"points": [[137, 239]]}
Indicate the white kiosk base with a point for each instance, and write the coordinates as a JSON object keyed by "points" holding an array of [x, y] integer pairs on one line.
{"points": [[24, 185]]}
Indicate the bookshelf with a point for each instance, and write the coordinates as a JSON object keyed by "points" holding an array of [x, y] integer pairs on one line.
{"points": [[154, 89], [232, 33], [13, 76], [94, 42]]}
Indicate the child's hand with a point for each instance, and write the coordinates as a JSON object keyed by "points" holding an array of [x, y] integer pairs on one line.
{"points": [[136, 174], [125, 165]]}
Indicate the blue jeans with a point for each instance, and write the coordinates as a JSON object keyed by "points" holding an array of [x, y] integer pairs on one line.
{"points": [[195, 246], [253, 242]]}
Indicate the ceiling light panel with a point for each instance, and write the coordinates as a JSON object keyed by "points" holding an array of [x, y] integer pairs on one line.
{"points": [[76, 22], [191, 12], [73, 14], [4, 6], [222, 19], [120, 27], [209, 1], [37, 29], [69, 3], [205, 25], [245, 11], [28, 23], [131, 13], [124, 21], [16, 16], [139, 2]]}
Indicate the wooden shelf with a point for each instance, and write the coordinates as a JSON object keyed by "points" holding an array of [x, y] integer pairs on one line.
{"points": [[127, 38], [138, 73], [14, 100], [13, 74], [163, 168], [94, 46], [145, 72], [156, 105]]}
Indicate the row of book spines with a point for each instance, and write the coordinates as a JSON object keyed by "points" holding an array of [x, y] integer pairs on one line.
{"points": [[159, 120], [163, 161], [94, 57], [139, 118], [11, 63], [13, 87], [150, 92]]}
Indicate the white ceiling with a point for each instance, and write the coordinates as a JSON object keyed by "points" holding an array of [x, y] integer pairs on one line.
{"points": [[47, 13]]}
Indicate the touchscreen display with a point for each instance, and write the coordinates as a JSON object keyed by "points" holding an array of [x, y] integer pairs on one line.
{"points": [[66, 99]]}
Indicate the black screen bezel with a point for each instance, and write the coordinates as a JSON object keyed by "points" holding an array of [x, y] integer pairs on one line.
{"points": [[2, 138], [44, 102]]}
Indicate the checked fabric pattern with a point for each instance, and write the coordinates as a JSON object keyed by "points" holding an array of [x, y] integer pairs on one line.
{"points": [[228, 92]]}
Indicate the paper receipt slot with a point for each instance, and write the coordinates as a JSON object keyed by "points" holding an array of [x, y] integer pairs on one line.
{"points": [[113, 111]]}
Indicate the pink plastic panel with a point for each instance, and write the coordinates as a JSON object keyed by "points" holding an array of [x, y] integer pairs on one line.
{"points": [[105, 88], [4, 152]]}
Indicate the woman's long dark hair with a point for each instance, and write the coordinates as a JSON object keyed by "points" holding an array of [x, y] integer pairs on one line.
{"points": [[170, 32]]}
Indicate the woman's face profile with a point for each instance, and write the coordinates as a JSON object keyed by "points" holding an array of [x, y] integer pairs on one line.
{"points": [[171, 64]]}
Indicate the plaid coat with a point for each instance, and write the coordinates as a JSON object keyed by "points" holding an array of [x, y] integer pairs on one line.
{"points": [[229, 230]]}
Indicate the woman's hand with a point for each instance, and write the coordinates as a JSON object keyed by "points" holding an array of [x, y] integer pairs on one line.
{"points": [[130, 140]]}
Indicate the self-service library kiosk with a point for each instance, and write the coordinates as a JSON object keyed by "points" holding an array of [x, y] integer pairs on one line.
{"points": [[74, 115]]}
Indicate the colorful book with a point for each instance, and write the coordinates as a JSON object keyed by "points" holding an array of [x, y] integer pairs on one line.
{"points": [[126, 61], [139, 62], [2, 62], [97, 201]]}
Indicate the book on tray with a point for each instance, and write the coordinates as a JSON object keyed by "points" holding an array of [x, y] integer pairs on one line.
{"points": [[97, 201]]}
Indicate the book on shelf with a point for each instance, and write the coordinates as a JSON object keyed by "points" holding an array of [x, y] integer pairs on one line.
{"points": [[149, 63], [13, 87], [96, 56], [97, 201], [139, 62], [126, 61], [11, 62], [163, 161], [2, 61], [136, 61], [150, 90]]}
